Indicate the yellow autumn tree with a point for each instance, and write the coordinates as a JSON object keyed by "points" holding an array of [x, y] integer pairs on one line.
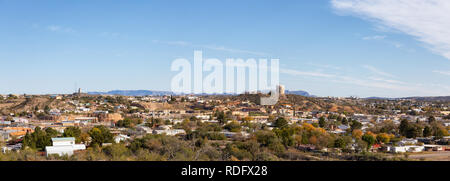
{"points": [[308, 127], [383, 137], [357, 133]]}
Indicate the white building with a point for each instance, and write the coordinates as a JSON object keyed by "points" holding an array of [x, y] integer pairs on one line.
{"points": [[229, 134], [407, 141], [64, 146], [144, 129], [171, 132], [203, 117], [403, 149], [120, 138]]}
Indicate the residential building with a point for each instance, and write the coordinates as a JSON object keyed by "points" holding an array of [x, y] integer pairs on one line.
{"points": [[64, 146]]}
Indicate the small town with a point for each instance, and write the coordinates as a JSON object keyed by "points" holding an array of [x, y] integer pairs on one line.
{"points": [[87, 126], [224, 89]]}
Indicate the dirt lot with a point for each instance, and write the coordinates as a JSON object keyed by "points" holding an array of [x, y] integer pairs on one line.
{"points": [[432, 156]]}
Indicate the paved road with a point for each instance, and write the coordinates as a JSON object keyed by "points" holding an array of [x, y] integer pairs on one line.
{"points": [[435, 156]]}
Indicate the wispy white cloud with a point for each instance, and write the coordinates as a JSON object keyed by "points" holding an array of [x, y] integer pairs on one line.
{"points": [[327, 66], [305, 73], [384, 39], [375, 37], [57, 28], [442, 72], [386, 80], [231, 50], [373, 82], [378, 83], [399, 88], [177, 43], [211, 47], [428, 20], [377, 71], [110, 34]]}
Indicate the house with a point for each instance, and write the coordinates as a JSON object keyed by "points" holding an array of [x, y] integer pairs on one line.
{"points": [[20, 120], [144, 129], [343, 127], [121, 137], [5, 123], [165, 127], [87, 119], [170, 132], [338, 131], [434, 148], [55, 112], [202, 117], [64, 146], [15, 147], [428, 140], [445, 113], [210, 121], [239, 113], [68, 123], [403, 149], [229, 134], [17, 131], [407, 141], [176, 121], [3, 136]]}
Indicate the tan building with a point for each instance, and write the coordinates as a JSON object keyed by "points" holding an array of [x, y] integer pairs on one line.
{"points": [[281, 89]]}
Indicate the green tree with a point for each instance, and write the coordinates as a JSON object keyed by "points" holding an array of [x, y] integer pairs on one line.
{"points": [[413, 131], [52, 133], [39, 139], [28, 141], [46, 109], [281, 123], [286, 135], [270, 140], [322, 122], [117, 152], [221, 117], [388, 127], [73, 132], [344, 121], [427, 131], [431, 119], [439, 131], [355, 125], [100, 135], [130, 122], [404, 127], [340, 143], [9, 118], [369, 139], [233, 126]]}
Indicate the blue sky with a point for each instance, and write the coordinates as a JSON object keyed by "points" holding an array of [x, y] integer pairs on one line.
{"points": [[326, 47]]}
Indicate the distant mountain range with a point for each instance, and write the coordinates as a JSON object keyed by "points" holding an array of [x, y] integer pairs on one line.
{"points": [[299, 92], [378, 98], [435, 98], [133, 93], [161, 93]]}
